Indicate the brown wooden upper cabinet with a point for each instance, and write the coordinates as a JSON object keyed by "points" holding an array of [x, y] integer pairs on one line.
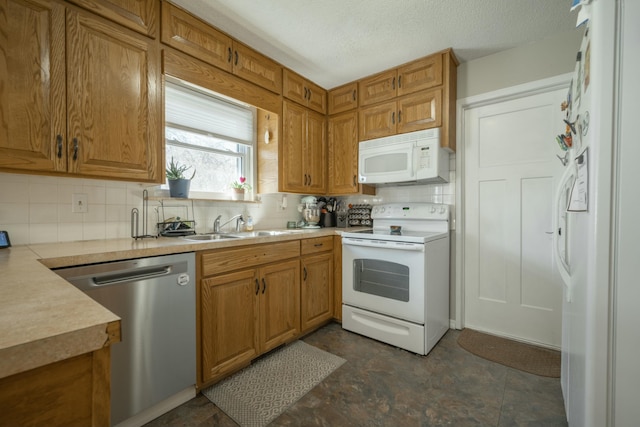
{"points": [[192, 36], [343, 98], [422, 110], [138, 15], [418, 75], [415, 96], [64, 103], [298, 89], [302, 167]]}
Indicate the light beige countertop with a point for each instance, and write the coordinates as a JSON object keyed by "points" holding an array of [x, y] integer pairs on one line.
{"points": [[44, 319]]}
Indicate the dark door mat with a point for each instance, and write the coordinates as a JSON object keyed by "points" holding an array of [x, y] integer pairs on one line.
{"points": [[517, 355]]}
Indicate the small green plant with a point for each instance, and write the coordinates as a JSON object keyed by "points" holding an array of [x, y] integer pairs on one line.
{"points": [[176, 170], [241, 183]]}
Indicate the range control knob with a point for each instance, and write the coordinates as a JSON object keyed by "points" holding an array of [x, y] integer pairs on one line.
{"points": [[442, 209], [433, 209], [382, 209]]}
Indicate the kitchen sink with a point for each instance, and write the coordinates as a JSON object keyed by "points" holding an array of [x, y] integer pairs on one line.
{"points": [[261, 233], [207, 237]]}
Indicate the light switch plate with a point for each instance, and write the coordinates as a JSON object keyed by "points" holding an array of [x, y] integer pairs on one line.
{"points": [[79, 203]]}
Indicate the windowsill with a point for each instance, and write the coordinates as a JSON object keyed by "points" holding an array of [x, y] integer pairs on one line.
{"points": [[162, 198]]}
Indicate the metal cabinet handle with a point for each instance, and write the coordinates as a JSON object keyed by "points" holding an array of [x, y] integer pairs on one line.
{"points": [[264, 285], [309, 179], [59, 146], [318, 245], [236, 63], [355, 180], [230, 54], [257, 286], [393, 118], [399, 81], [309, 94], [399, 116], [75, 148], [393, 83], [354, 94], [304, 273]]}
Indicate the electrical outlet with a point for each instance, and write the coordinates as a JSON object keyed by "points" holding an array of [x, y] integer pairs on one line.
{"points": [[79, 203]]}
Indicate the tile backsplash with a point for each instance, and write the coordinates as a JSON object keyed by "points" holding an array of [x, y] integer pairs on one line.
{"points": [[38, 209]]}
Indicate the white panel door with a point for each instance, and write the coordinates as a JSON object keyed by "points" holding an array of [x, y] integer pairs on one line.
{"points": [[510, 282]]}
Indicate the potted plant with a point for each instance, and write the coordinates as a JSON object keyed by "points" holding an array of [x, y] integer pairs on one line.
{"points": [[239, 187], [178, 183]]}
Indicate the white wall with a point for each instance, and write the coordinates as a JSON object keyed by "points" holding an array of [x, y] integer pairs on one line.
{"points": [[550, 57], [37, 209]]}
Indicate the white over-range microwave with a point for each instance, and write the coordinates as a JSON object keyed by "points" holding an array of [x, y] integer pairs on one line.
{"points": [[409, 158]]}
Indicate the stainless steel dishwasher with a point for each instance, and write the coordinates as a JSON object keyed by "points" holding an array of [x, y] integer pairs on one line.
{"points": [[154, 367]]}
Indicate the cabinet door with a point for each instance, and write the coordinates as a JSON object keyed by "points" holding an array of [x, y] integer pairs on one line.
{"points": [[422, 110], [377, 121], [380, 87], [229, 307], [113, 103], [293, 87], [343, 154], [343, 98], [256, 68], [419, 75], [279, 304], [195, 37], [316, 293], [292, 168], [298, 89], [32, 86], [138, 15], [316, 153], [316, 98]]}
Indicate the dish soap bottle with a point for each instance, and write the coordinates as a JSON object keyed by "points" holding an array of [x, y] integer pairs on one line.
{"points": [[249, 224]]}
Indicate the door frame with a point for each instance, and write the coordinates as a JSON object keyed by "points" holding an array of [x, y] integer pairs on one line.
{"points": [[462, 106]]}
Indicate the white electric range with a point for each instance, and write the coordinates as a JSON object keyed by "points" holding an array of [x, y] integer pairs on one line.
{"points": [[395, 277]]}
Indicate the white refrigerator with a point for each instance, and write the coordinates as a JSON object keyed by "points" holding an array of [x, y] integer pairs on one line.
{"points": [[597, 212]]}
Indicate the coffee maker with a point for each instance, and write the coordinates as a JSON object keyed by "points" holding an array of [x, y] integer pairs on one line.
{"points": [[310, 212]]}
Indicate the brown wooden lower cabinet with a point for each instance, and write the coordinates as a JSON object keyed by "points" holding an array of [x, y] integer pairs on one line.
{"points": [[316, 290], [71, 392], [247, 312], [255, 298]]}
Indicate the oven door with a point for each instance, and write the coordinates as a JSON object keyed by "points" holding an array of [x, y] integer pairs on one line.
{"points": [[385, 277]]}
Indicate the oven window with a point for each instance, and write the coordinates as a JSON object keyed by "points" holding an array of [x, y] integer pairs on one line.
{"points": [[382, 278]]}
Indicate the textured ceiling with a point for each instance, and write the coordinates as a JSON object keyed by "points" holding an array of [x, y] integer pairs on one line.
{"points": [[332, 42]]}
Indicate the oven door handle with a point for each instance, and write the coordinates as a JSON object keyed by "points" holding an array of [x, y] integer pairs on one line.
{"points": [[383, 244]]}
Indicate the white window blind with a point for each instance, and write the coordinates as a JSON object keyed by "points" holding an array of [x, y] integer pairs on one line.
{"points": [[189, 109]]}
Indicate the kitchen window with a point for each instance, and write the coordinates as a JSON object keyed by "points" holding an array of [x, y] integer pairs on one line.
{"points": [[214, 134]]}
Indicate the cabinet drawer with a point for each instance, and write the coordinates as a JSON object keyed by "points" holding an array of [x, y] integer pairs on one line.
{"points": [[318, 244], [223, 260]]}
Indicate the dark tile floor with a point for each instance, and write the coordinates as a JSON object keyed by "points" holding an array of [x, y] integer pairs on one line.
{"points": [[381, 385]]}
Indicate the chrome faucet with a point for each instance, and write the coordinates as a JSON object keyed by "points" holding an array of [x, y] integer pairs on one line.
{"points": [[217, 226]]}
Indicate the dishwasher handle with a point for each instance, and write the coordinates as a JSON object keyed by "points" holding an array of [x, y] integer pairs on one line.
{"points": [[132, 276]]}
